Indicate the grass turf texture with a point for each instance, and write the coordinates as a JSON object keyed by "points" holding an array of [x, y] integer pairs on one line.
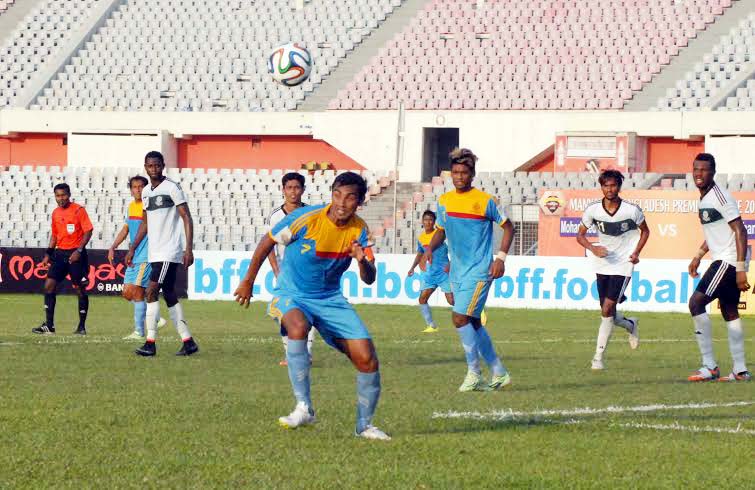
{"points": [[87, 411]]}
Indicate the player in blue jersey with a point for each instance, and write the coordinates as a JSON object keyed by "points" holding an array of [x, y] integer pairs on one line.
{"points": [[321, 242], [436, 275], [465, 218], [137, 276]]}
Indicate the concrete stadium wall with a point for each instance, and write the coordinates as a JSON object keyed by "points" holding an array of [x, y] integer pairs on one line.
{"points": [[504, 140]]}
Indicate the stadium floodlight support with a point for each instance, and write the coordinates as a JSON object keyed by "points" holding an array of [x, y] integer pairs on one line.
{"points": [[400, 134]]}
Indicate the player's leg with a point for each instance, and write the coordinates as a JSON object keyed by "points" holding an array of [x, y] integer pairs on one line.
{"points": [[79, 272], [424, 308], [284, 339], [703, 295], [500, 377], [607, 312], [310, 342], [152, 310], [47, 327], [175, 309], [730, 313], [631, 324], [135, 284], [450, 298], [464, 296]]}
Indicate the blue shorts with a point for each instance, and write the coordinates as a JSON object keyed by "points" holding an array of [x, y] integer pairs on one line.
{"points": [[138, 275], [333, 317], [437, 280], [470, 297]]}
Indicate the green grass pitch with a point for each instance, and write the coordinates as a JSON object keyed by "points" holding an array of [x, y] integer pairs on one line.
{"points": [[87, 413]]}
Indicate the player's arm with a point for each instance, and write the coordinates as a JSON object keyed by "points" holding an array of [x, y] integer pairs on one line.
{"points": [[417, 259], [740, 237], [185, 214], [695, 262], [366, 262], [243, 293], [86, 226], [436, 241], [498, 267], [140, 234], [50, 249], [273, 262], [644, 235], [119, 238]]}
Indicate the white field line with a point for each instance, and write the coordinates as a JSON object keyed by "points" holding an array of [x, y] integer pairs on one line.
{"points": [[502, 415], [687, 428]]}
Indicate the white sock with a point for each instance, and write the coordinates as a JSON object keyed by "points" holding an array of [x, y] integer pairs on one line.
{"points": [[177, 315], [622, 321], [310, 340], [285, 344], [737, 344], [150, 320], [604, 334], [704, 338]]}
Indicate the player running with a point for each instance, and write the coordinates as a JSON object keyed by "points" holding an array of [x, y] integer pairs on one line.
{"points": [[136, 277], [165, 207], [465, 217], [293, 188], [622, 234], [436, 275], [321, 242], [66, 254], [725, 279]]}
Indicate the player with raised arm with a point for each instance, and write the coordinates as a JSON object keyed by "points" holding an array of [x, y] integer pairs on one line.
{"points": [[165, 207], [66, 254], [137, 277], [465, 217], [622, 234], [321, 242], [725, 279], [293, 188], [436, 275]]}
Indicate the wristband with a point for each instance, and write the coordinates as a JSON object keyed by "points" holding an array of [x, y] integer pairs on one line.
{"points": [[700, 253], [80, 249], [500, 255], [49, 252], [740, 266]]}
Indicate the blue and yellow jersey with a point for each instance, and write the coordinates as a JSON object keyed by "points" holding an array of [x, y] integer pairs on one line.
{"points": [[467, 219], [317, 251], [440, 254], [133, 220]]}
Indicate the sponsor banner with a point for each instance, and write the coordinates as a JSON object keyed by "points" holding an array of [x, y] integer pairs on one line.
{"points": [[529, 282], [675, 229], [21, 271]]}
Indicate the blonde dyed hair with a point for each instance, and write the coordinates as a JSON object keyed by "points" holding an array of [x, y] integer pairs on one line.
{"points": [[463, 156]]}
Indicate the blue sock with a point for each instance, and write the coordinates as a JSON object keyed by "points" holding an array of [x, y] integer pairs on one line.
{"points": [[298, 370], [368, 394], [427, 315], [140, 313], [487, 351], [469, 342]]}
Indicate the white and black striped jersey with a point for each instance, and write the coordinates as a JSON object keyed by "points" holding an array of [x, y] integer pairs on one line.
{"points": [[716, 210], [276, 215], [617, 232], [164, 224]]}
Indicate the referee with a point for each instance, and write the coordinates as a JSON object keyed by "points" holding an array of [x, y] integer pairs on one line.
{"points": [[66, 254]]}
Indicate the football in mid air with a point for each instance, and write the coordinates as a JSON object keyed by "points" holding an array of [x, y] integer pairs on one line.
{"points": [[290, 64]]}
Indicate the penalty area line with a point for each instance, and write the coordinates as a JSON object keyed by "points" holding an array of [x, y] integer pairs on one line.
{"points": [[686, 428]]}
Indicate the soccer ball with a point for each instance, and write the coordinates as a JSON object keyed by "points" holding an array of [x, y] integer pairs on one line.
{"points": [[290, 64]]}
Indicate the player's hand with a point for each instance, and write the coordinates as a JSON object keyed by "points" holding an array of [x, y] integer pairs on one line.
{"points": [[427, 258], [599, 251], [188, 258], [634, 258], [497, 269], [45, 261], [692, 267], [129, 259], [410, 273], [447, 268], [742, 283], [243, 293], [75, 256], [356, 252], [110, 255]]}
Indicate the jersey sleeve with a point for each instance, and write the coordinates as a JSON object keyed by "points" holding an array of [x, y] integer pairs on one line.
{"points": [[366, 243], [84, 221], [587, 218], [639, 216], [284, 232], [177, 195], [495, 213], [440, 221], [420, 248], [730, 210]]}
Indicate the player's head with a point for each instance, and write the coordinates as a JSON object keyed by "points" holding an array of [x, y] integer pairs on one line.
{"points": [[293, 187], [463, 163], [136, 185], [154, 164], [610, 183], [428, 220], [349, 191], [703, 170], [62, 195]]}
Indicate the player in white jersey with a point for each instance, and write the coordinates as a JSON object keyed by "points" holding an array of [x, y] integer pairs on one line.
{"points": [[165, 209], [293, 188], [725, 279], [622, 234]]}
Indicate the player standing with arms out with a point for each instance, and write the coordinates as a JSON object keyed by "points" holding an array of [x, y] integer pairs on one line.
{"points": [[725, 279], [66, 254], [165, 207], [436, 275], [622, 234], [465, 217], [137, 277], [321, 242], [293, 188]]}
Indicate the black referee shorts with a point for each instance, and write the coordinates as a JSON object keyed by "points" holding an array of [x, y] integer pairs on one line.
{"points": [[720, 282], [60, 267], [612, 287]]}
